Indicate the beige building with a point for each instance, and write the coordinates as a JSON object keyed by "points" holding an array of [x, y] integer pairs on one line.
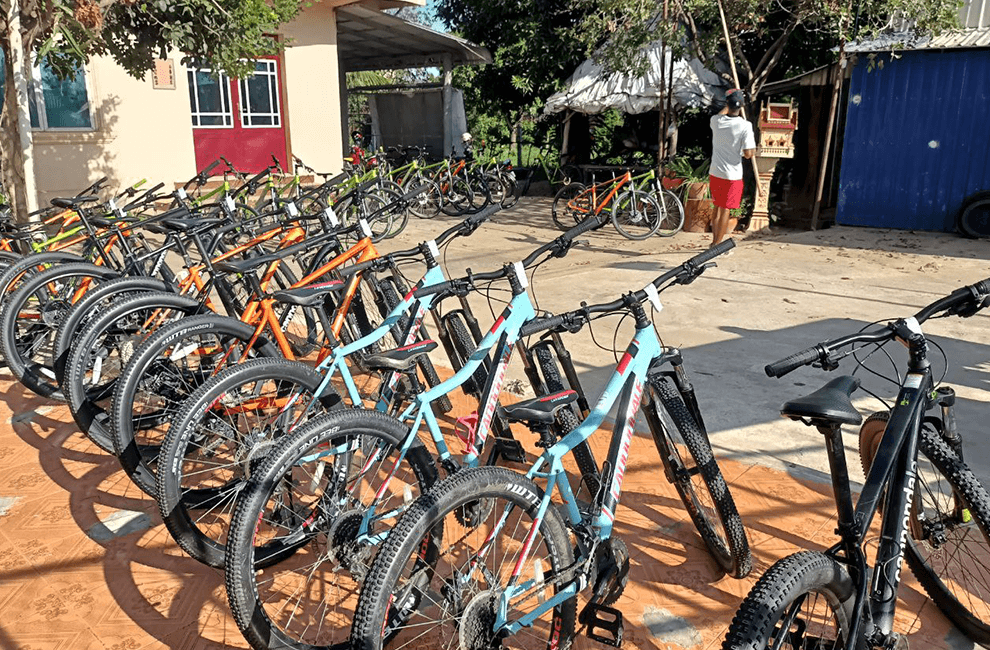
{"points": [[177, 120]]}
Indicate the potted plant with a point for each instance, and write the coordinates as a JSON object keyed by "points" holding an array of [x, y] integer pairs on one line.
{"points": [[698, 210]]}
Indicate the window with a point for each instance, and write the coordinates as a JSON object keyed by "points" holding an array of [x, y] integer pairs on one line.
{"points": [[259, 96], [56, 104], [209, 99]]}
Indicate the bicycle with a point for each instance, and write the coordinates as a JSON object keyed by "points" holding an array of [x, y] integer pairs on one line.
{"points": [[932, 509], [504, 585]]}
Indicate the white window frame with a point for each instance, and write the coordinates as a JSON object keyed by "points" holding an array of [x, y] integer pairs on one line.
{"points": [[37, 90], [227, 114], [243, 96]]}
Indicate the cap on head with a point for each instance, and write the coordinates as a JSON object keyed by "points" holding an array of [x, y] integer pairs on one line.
{"points": [[465, 137], [735, 98]]}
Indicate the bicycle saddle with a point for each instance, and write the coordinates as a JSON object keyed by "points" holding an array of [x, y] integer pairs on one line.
{"points": [[830, 403], [308, 296], [186, 224], [539, 410], [402, 358], [73, 201], [244, 265]]}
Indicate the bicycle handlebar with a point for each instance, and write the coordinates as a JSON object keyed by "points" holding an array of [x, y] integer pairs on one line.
{"points": [[685, 273], [963, 302]]}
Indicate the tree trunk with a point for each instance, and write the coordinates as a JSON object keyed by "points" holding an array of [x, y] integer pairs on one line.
{"points": [[11, 153]]}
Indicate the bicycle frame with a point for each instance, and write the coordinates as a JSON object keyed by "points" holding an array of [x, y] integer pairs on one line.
{"points": [[894, 470], [596, 206]]}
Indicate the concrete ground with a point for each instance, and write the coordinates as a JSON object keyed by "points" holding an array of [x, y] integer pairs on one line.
{"points": [[85, 562]]}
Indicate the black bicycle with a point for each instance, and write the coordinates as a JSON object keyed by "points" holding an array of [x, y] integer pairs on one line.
{"points": [[933, 510]]}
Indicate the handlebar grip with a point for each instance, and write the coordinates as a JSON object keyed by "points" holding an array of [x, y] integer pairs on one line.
{"points": [[484, 214], [793, 362], [541, 324], [589, 224], [210, 167], [983, 287], [713, 252], [432, 289], [357, 268]]}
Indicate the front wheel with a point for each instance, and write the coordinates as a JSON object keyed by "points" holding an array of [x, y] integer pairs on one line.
{"points": [[636, 215], [690, 465], [671, 213], [803, 601], [948, 548], [443, 570]]}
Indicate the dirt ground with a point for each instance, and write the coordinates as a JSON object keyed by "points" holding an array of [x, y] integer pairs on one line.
{"points": [[85, 562]]}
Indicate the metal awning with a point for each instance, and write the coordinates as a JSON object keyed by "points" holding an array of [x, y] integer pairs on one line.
{"points": [[371, 40]]}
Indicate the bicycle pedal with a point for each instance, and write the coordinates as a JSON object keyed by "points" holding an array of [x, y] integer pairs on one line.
{"points": [[511, 450], [600, 618]]}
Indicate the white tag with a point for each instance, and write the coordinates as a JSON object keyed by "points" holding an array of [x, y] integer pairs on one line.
{"points": [[182, 193], [332, 217], [182, 353], [113, 205], [230, 202], [654, 296], [913, 380], [521, 274], [365, 228], [291, 208], [432, 247]]}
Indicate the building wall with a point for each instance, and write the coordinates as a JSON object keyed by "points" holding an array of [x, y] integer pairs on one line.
{"points": [[916, 142], [139, 132]]}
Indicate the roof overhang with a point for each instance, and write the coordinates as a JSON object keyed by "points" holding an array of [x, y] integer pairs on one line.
{"points": [[371, 40], [972, 38]]}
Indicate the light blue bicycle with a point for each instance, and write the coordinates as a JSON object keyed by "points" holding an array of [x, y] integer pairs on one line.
{"points": [[489, 559]]}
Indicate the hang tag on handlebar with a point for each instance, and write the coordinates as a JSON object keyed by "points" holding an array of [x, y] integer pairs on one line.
{"points": [[116, 210], [654, 296], [181, 192], [331, 217], [291, 209], [229, 202], [521, 274], [365, 228], [432, 247]]}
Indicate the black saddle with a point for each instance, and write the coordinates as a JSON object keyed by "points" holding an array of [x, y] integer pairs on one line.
{"points": [[539, 410], [830, 403], [400, 359], [245, 265], [308, 296], [188, 224], [74, 201]]}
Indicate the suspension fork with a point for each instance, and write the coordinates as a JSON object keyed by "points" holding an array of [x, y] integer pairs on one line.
{"points": [[679, 376]]}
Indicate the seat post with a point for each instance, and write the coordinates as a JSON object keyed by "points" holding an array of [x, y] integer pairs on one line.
{"points": [[840, 478]]}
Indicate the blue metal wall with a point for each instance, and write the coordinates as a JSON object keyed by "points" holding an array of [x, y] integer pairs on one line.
{"points": [[917, 139]]}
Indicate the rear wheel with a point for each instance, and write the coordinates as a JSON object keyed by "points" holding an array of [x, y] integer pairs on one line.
{"points": [[948, 548], [636, 215], [570, 206], [671, 213], [304, 511], [690, 465], [974, 216], [804, 601]]}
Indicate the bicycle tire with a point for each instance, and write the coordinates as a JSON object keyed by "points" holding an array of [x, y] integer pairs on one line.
{"points": [[636, 215], [95, 301], [30, 320], [715, 515], [299, 482], [671, 213], [458, 197], [164, 371], [464, 346], [497, 188], [427, 204], [969, 500], [200, 418], [27, 266], [567, 421], [771, 598], [562, 215], [512, 190], [102, 349], [973, 219], [423, 525]]}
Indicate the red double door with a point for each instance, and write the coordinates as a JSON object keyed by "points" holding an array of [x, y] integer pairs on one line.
{"points": [[240, 119]]}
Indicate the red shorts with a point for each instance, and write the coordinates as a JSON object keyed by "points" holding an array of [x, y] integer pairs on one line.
{"points": [[726, 194]]}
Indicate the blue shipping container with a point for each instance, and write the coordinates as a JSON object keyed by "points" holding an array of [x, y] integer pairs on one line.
{"points": [[917, 139]]}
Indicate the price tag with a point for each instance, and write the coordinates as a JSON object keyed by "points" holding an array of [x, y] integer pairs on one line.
{"points": [[291, 208], [229, 202], [521, 274], [432, 247], [365, 228], [654, 296], [331, 217], [115, 209], [182, 193]]}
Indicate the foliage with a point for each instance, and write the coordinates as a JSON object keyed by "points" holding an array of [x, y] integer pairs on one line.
{"points": [[690, 166]]}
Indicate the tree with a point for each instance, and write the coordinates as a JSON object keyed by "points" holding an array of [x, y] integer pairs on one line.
{"points": [[769, 37], [223, 34], [532, 46]]}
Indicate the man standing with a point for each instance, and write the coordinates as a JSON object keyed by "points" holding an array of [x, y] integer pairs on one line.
{"points": [[732, 140]]}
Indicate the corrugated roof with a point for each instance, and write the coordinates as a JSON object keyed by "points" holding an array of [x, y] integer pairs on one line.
{"points": [[978, 37]]}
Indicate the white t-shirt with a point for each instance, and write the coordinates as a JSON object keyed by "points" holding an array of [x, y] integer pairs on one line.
{"points": [[730, 136]]}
